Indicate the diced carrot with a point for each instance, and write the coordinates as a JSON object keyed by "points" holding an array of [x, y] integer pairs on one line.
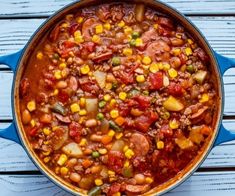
{"points": [[86, 163], [205, 130], [106, 139], [119, 120]]}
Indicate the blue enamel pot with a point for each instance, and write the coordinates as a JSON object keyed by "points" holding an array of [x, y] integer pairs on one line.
{"points": [[18, 61]]}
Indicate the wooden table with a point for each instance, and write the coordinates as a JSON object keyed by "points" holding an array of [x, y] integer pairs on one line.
{"points": [[20, 18]]}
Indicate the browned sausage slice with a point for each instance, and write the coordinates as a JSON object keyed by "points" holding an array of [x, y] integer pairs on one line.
{"points": [[87, 28], [137, 188], [141, 144]]}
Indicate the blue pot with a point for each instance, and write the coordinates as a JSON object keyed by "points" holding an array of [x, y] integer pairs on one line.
{"points": [[17, 61]]}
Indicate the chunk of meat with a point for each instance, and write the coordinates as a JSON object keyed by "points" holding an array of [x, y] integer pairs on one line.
{"points": [[149, 35], [143, 101], [137, 188], [142, 123], [87, 27], [175, 89], [156, 80], [103, 12], [202, 55], [88, 85], [117, 12], [24, 87], [116, 161], [199, 113], [141, 144], [166, 22], [63, 119], [102, 57]]}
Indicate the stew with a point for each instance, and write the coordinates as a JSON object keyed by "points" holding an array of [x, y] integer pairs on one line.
{"points": [[118, 99]]}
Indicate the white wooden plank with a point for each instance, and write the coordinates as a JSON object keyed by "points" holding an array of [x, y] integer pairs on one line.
{"points": [[45, 8], [206, 184]]}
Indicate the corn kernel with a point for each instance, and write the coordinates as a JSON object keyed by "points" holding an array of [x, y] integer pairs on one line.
{"points": [[127, 163], [160, 66], [155, 26], [103, 151], [113, 102], [56, 92], [64, 73], [83, 142], [178, 35], [107, 97], [154, 68], [46, 153], [46, 159], [107, 26], [74, 108], [118, 135], [98, 182], [122, 95], [138, 42], [112, 179], [146, 60], [85, 69], [121, 24], [176, 51], [46, 131], [62, 65], [127, 51], [160, 145], [78, 37], [111, 133], [55, 128], [40, 55], [65, 25], [172, 73], [57, 170], [99, 29], [127, 30], [174, 124], [62, 159], [140, 78], [114, 113], [166, 66], [148, 180], [46, 142], [57, 74], [204, 98], [111, 173], [188, 51], [82, 102], [125, 148], [108, 86], [80, 19], [77, 33], [116, 194], [31, 106], [82, 112], [33, 123], [64, 171], [129, 153], [96, 39]]}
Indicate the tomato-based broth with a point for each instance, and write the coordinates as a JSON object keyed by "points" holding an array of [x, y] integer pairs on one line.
{"points": [[118, 99]]}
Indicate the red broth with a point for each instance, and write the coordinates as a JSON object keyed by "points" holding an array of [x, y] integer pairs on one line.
{"points": [[117, 99]]}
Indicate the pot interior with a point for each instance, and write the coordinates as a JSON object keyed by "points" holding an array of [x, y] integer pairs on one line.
{"points": [[45, 27]]}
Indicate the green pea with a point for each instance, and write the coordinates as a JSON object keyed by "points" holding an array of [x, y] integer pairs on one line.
{"points": [[190, 69], [95, 191], [135, 35], [116, 61], [95, 154], [132, 42], [166, 115], [102, 104], [100, 116]]}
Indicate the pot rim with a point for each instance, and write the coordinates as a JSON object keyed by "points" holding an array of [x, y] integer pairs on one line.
{"points": [[166, 8]]}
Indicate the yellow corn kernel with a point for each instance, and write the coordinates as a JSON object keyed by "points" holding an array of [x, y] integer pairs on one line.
{"points": [[62, 65], [46, 142], [111, 173], [64, 25], [107, 97], [114, 113], [81, 120], [121, 24], [204, 98], [166, 66], [39, 55], [98, 182], [74, 108], [31, 106], [155, 26], [82, 112], [46, 131], [79, 39], [80, 19], [46, 153], [127, 51], [56, 92], [174, 124], [125, 148], [118, 135], [113, 102], [140, 78], [148, 180], [57, 74], [96, 39], [64, 171], [176, 51], [55, 128], [129, 153], [138, 42], [127, 30], [190, 41], [33, 123], [160, 66], [154, 68], [146, 60], [62, 159], [178, 35], [107, 26], [108, 86], [127, 163], [82, 102], [172, 73], [111, 133], [122, 95], [64, 73], [103, 151], [77, 33], [85, 69], [160, 145], [99, 29], [116, 194], [188, 51], [112, 179], [57, 170], [83, 142], [46, 159]]}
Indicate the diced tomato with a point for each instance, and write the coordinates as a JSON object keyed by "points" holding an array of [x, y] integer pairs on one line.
{"points": [[114, 188], [156, 80], [89, 46], [63, 96], [143, 101], [116, 161], [141, 163], [33, 131], [183, 58], [166, 130], [143, 122], [124, 109], [175, 89], [75, 131]]}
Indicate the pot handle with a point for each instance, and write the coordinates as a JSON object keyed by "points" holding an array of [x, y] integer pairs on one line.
{"points": [[11, 61], [224, 135]]}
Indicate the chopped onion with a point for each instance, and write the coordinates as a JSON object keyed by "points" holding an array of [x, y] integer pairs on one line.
{"points": [[72, 149], [92, 107], [104, 127], [61, 135], [118, 145], [100, 78]]}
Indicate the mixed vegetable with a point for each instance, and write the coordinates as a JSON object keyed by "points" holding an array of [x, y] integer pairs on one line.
{"points": [[117, 99]]}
